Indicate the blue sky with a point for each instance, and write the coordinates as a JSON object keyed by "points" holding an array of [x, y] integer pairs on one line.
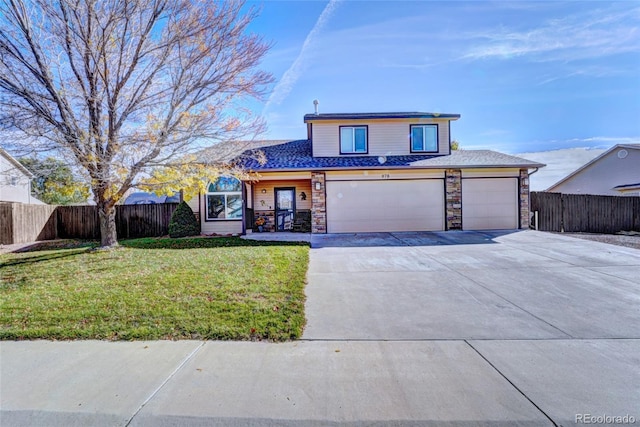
{"points": [[525, 76]]}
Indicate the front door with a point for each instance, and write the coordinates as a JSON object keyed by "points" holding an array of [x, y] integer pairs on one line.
{"points": [[285, 208]]}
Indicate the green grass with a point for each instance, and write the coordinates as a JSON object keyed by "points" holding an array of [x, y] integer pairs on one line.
{"points": [[199, 288]]}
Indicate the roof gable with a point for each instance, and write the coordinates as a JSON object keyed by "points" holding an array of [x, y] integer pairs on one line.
{"points": [[15, 163]]}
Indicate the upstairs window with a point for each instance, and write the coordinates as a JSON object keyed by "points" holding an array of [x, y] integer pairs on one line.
{"points": [[424, 138], [224, 199], [353, 139]]}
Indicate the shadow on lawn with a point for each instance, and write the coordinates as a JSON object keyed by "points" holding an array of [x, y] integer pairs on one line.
{"points": [[201, 243], [70, 248], [43, 257]]}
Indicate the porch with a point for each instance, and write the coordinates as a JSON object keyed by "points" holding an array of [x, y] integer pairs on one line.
{"points": [[278, 205]]}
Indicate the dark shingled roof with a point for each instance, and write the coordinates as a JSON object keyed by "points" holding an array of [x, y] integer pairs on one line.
{"points": [[622, 187], [296, 155], [367, 116]]}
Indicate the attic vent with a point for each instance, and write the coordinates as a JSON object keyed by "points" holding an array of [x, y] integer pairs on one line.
{"points": [[622, 154]]}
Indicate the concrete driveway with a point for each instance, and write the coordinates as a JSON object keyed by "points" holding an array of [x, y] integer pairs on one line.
{"points": [[471, 285], [404, 329], [556, 317]]}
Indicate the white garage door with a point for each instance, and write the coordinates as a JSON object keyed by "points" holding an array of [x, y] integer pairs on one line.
{"points": [[489, 203], [363, 206]]}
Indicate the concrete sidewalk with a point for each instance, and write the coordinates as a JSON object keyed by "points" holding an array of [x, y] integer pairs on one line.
{"points": [[412, 383], [448, 329]]}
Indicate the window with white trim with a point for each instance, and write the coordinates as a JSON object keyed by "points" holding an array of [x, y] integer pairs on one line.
{"points": [[424, 138], [353, 139], [224, 199]]}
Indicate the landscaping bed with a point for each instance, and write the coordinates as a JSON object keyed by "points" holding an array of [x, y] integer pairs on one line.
{"points": [[192, 288], [628, 239]]}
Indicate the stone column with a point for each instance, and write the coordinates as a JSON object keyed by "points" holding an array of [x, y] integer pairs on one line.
{"points": [[525, 221], [453, 196], [318, 203]]}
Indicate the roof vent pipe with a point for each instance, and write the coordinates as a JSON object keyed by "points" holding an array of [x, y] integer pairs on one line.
{"points": [[315, 105]]}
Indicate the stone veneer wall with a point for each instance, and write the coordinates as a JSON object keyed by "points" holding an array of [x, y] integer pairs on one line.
{"points": [[453, 196], [269, 220], [524, 198], [318, 203]]}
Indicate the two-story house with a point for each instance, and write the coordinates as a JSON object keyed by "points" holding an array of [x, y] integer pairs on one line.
{"points": [[372, 172]]}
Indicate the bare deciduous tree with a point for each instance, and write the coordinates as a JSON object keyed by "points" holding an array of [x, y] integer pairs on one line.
{"points": [[120, 87]]}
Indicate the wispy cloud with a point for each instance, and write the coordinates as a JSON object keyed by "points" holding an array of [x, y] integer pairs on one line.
{"points": [[580, 36], [589, 71], [291, 76]]}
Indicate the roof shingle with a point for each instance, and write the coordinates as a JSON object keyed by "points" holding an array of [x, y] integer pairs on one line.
{"points": [[296, 155]]}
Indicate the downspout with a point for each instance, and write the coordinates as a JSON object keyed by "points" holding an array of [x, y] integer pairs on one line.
{"points": [[535, 213], [244, 208]]}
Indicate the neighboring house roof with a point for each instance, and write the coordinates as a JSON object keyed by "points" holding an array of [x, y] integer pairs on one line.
{"points": [[228, 151], [142, 198], [627, 187], [296, 155], [586, 165], [369, 116], [15, 163]]}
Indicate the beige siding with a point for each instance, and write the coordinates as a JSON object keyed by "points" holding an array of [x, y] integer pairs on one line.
{"points": [[193, 204], [444, 137], [379, 206], [325, 140], [387, 174], [385, 137], [247, 190], [489, 203], [266, 201], [490, 173], [221, 227]]}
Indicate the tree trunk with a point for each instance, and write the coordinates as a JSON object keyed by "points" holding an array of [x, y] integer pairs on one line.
{"points": [[108, 235]]}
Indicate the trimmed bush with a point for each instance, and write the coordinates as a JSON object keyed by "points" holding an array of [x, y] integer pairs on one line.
{"points": [[183, 222]]}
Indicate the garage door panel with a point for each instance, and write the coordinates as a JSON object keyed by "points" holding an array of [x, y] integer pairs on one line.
{"points": [[362, 206], [489, 203]]}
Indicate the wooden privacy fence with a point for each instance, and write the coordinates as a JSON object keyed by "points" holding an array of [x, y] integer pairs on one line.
{"points": [[26, 223], [21, 223], [586, 213]]}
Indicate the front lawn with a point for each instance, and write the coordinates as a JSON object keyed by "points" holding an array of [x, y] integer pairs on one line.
{"points": [[199, 288]]}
